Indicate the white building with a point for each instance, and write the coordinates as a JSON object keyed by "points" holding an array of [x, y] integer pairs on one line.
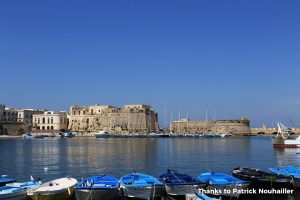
{"points": [[50, 122], [25, 115]]}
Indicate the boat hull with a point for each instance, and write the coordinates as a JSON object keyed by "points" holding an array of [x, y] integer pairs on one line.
{"points": [[180, 190], [103, 194], [62, 195], [232, 188], [143, 192], [287, 143]]}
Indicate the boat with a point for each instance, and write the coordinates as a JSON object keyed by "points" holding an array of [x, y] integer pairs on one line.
{"points": [[289, 171], [68, 134], [178, 184], [283, 138], [39, 136], [202, 196], [27, 136], [216, 181], [263, 179], [4, 180], [17, 191], [58, 189], [141, 186], [97, 187], [102, 134]]}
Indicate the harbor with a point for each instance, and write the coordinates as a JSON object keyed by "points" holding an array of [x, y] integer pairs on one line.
{"points": [[83, 157]]}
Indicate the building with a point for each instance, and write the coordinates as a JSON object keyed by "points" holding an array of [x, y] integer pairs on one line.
{"points": [[25, 115], [8, 114], [50, 122], [235, 127], [128, 119]]}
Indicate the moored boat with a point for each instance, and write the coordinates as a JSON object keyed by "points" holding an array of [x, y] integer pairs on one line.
{"points": [[283, 138], [289, 171], [141, 186], [263, 179], [27, 136], [17, 191], [97, 187], [68, 134], [178, 184], [202, 196], [58, 189], [4, 180], [220, 182], [102, 134]]}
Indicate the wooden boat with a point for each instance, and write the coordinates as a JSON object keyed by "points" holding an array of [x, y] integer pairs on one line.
{"points": [[263, 179], [17, 191], [288, 171], [58, 189], [178, 184], [4, 180], [97, 187], [220, 182], [141, 186]]}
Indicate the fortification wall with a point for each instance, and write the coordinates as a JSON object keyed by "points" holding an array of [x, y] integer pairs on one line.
{"points": [[13, 128]]}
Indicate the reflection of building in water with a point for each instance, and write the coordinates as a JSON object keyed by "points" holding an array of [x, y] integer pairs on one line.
{"points": [[236, 127], [130, 118]]}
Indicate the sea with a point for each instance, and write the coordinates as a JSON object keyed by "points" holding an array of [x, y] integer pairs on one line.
{"points": [[81, 157]]}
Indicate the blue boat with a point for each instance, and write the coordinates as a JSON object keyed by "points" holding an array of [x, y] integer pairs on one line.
{"points": [[289, 171], [97, 187], [17, 191], [141, 186], [4, 181], [219, 182], [179, 184]]}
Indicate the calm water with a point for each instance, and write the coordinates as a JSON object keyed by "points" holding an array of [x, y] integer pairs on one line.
{"points": [[83, 157]]}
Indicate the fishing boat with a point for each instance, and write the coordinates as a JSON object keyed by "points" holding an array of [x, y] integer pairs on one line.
{"points": [[97, 187], [4, 180], [58, 189], [102, 134], [17, 191], [289, 171], [68, 134], [27, 136], [263, 179], [283, 138], [220, 182], [141, 186], [178, 184]]}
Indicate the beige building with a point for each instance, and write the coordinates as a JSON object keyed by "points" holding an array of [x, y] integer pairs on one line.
{"points": [[128, 119], [235, 127], [25, 115], [50, 121]]}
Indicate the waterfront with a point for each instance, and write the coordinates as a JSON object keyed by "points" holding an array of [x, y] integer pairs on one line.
{"points": [[51, 158]]}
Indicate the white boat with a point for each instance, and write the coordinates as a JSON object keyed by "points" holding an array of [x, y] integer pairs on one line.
{"points": [[27, 136], [283, 138], [58, 189], [102, 134]]}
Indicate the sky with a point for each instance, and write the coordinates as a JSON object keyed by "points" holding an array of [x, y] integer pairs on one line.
{"points": [[233, 58]]}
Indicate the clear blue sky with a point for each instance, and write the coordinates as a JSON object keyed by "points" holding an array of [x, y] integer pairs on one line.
{"points": [[240, 58]]}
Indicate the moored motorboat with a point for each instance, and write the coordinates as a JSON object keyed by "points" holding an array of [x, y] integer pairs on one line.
{"points": [[17, 191], [141, 186], [178, 184], [58, 189], [220, 182], [102, 134], [263, 179], [68, 134], [97, 187], [27, 136], [4, 180], [289, 171]]}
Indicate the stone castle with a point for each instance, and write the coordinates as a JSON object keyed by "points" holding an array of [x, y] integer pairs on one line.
{"points": [[128, 119]]}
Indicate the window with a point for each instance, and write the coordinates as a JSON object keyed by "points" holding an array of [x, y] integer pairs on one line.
{"points": [[74, 112], [92, 111], [51, 120], [47, 127], [79, 112], [38, 128], [38, 120], [43, 127], [51, 127], [43, 121], [83, 112], [48, 120], [61, 120]]}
